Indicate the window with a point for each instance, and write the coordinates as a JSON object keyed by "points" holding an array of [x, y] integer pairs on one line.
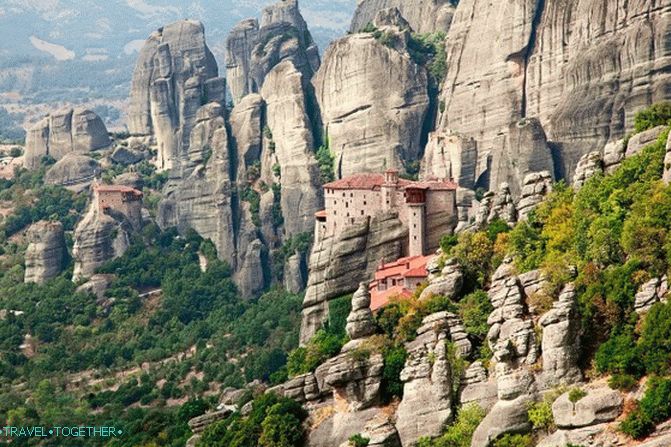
{"points": [[346, 204], [351, 194], [414, 237], [364, 203], [362, 212], [343, 194], [414, 225]]}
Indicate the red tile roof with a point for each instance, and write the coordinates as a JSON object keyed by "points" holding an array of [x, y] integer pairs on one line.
{"points": [[116, 188], [321, 213], [401, 267], [372, 181], [380, 299], [409, 267]]}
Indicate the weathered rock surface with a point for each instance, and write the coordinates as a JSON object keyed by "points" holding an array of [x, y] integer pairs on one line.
{"points": [[339, 263], [175, 75], [246, 128], [449, 155], [360, 322], [427, 391], [642, 139], [127, 156], [355, 382], [98, 238], [497, 205], [423, 16], [286, 109], [63, 132], [535, 187], [447, 284], [373, 101], [599, 406], [295, 273], [477, 388], [253, 50], [74, 171], [45, 255], [561, 344], [553, 60], [97, 285], [651, 292], [588, 166]]}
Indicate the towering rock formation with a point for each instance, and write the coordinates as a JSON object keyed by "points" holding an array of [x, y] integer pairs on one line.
{"points": [[424, 16], [374, 100], [63, 132], [581, 67], [252, 50], [288, 120], [339, 262], [98, 238], [45, 255], [175, 75]]}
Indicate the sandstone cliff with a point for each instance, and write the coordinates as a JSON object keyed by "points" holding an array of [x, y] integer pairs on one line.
{"points": [[373, 100], [424, 16], [46, 252], [582, 68], [253, 49], [63, 132], [175, 74]]}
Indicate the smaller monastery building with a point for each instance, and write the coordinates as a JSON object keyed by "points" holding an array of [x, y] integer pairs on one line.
{"points": [[120, 199], [398, 279]]}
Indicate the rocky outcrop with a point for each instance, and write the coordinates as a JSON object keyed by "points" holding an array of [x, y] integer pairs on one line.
{"points": [[373, 100], [175, 75], [63, 132], [449, 155], [126, 156], [497, 205], [423, 16], [355, 381], [98, 238], [247, 121], [295, 273], [46, 251], [477, 387], [512, 340], [534, 189], [598, 406], [339, 263], [286, 110], [97, 285], [360, 322], [643, 139], [653, 291], [553, 60], [428, 381], [253, 50], [588, 166], [561, 343], [447, 284], [74, 171]]}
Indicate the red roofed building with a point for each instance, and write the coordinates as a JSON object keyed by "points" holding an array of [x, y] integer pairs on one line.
{"points": [[120, 199], [397, 279], [426, 208]]}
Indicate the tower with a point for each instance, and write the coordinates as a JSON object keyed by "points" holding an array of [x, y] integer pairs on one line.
{"points": [[388, 189], [416, 206]]}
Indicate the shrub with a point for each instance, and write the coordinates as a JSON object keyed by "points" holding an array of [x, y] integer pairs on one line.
{"points": [[325, 161], [618, 355], [654, 345], [358, 441], [575, 394], [321, 347], [653, 116], [540, 415], [394, 361], [474, 310], [516, 440], [623, 382], [458, 434]]}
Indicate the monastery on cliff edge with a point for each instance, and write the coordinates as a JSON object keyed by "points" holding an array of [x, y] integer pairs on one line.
{"points": [[426, 208]]}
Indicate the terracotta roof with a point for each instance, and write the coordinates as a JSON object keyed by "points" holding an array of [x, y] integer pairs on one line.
{"points": [[372, 181], [321, 213], [117, 188], [401, 267], [381, 299], [417, 272]]}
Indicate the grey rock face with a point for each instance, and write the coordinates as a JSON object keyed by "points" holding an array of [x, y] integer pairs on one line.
{"points": [[588, 166], [98, 238], [592, 435], [126, 156], [613, 154], [355, 381], [497, 205], [360, 322], [526, 151], [339, 263], [561, 344], [175, 75], [651, 292], [512, 339], [535, 187], [295, 273], [552, 60], [642, 139], [246, 127], [292, 131], [97, 285], [449, 155], [423, 16], [427, 391], [477, 388], [253, 50], [599, 406], [73, 171], [373, 101], [63, 132], [447, 284], [45, 253]]}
